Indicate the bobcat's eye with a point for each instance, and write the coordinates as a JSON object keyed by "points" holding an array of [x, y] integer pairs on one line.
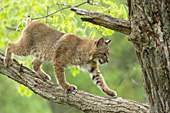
{"points": [[105, 54]]}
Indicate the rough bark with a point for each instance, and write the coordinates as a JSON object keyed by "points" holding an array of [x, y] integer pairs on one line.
{"points": [[150, 34], [105, 20], [81, 100]]}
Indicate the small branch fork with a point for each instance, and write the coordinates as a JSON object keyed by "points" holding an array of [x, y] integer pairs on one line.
{"points": [[67, 6]]}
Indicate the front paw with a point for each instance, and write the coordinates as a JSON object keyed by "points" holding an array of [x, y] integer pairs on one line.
{"points": [[47, 77], [7, 62], [110, 93], [70, 88]]}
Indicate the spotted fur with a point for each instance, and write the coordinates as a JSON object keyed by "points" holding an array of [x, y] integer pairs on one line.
{"points": [[48, 44]]}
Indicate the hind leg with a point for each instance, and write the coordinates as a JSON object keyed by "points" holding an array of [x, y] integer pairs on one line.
{"points": [[36, 64], [16, 48], [8, 60]]}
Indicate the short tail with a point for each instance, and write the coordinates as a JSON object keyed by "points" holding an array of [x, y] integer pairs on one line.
{"points": [[28, 20]]}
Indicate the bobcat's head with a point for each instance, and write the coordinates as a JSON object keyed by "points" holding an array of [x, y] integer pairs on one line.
{"points": [[102, 51]]}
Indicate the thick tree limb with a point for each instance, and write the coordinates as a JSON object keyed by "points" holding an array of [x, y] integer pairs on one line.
{"points": [[81, 100], [105, 20]]}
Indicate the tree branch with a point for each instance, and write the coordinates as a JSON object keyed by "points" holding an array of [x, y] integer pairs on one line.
{"points": [[105, 20], [101, 19], [67, 6], [81, 100]]}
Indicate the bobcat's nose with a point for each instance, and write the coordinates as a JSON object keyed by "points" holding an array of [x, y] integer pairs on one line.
{"points": [[107, 60]]}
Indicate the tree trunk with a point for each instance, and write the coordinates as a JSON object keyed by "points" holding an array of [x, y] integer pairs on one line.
{"points": [[150, 34], [149, 31]]}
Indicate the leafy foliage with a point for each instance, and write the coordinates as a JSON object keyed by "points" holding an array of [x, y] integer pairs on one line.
{"points": [[24, 91], [112, 9]]}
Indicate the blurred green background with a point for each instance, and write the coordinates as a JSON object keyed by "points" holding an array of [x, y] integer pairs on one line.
{"points": [[122, 74]]}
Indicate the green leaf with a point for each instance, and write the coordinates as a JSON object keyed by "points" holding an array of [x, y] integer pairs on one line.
{"points": [[110, 32], [69, 29], [71, 1], [21, 90], [74, 70], [71, 15], [21, 26], [63, 25], [93, 35], [90, 25], [48, 4], [104, 33], [122, 10], [24, 91], [111, 3], [62, 1], [28, 92]]}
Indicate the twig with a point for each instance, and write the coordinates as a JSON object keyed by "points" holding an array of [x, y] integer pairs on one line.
{"points": [[47, 13], [92, 2], [50, 13], [122, 79], [4, 7], [68, 6], [127, 75], [60, 11], [12, 28], [62, 4], [20, 68], [135, 82], [81, 3]]}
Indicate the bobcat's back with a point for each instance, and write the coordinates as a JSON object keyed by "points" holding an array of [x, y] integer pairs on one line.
{"points": [[41, 39], [76, 50]]}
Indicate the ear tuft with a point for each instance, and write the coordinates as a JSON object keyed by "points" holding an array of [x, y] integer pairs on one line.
{"points": [[107, 42], [28, 20], [100, 42]]}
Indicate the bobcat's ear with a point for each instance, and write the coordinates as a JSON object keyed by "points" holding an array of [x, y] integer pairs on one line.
{"points": [[100, 42], [107, 42]]}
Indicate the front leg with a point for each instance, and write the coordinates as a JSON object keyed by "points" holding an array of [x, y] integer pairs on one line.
{"points": [[36, 64], [59, 72], [98, 79]]}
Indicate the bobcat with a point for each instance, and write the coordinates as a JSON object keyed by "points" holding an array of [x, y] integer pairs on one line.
{"points": [[48, 44]]}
